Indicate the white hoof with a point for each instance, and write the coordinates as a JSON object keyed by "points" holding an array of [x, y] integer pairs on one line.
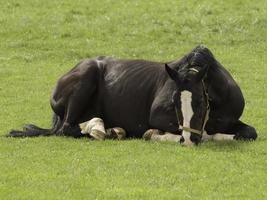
{"points": [[94, 127]]}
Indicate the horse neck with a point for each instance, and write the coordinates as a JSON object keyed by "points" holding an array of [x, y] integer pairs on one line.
{"points": [[218, 76], [219, 82]]}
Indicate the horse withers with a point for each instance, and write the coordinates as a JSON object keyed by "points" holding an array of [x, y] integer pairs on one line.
{"points": [[185, 100]]}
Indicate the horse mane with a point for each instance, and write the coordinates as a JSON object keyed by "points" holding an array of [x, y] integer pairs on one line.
{"points": [[199, 56]]}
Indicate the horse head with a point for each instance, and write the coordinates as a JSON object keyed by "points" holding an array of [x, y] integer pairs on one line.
{"points": [[191, 94]]}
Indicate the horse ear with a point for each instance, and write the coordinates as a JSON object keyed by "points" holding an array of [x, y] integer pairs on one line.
{"points": [[174, 75], [200, 75]]}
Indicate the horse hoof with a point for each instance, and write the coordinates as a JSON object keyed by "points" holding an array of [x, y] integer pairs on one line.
{"points": [[121, 133], [116, 133], [246, 133], [98, 135], [244, 137], [150, 132]]}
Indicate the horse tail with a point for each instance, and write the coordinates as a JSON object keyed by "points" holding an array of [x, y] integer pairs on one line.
{"points": [[30, 130]]}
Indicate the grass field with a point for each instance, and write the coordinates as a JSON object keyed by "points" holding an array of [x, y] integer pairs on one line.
{"points": [[40, 40]]}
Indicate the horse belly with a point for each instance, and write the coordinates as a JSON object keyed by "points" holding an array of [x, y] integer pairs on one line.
{"points": [[128, 112], [127, 92]]}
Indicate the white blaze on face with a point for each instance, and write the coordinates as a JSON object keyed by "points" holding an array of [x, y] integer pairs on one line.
{"points": [[187, 112]]}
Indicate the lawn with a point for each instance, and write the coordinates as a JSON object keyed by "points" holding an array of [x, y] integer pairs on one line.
{"points": [[40, 40]]}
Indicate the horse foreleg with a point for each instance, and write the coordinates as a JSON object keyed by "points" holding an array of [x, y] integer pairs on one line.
{"points": [[239, 131], [157, 135], [217, 136], [243, 131]]}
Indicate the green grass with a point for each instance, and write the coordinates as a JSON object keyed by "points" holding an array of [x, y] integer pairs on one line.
{"points": [[40, 40]]}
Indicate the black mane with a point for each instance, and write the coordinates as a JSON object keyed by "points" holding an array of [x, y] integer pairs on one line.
{"points": [[199, 56]]}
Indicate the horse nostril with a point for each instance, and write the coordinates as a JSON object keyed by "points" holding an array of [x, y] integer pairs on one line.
{"points": [[181, 140]]}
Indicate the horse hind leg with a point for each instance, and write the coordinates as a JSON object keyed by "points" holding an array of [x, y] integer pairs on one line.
{"points": [[79, 101], [96, 129]]}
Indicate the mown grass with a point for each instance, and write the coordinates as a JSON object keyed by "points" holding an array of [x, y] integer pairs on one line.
{"points": [[40, 40]]}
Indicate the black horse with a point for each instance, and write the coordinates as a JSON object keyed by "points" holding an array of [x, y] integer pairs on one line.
{"points": [[184, 100]]}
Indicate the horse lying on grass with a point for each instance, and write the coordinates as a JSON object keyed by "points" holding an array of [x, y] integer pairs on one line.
{"points": [[185, 100]]}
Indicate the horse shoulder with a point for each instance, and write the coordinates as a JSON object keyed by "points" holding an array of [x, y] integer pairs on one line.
{"points": [[162, 103]]}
